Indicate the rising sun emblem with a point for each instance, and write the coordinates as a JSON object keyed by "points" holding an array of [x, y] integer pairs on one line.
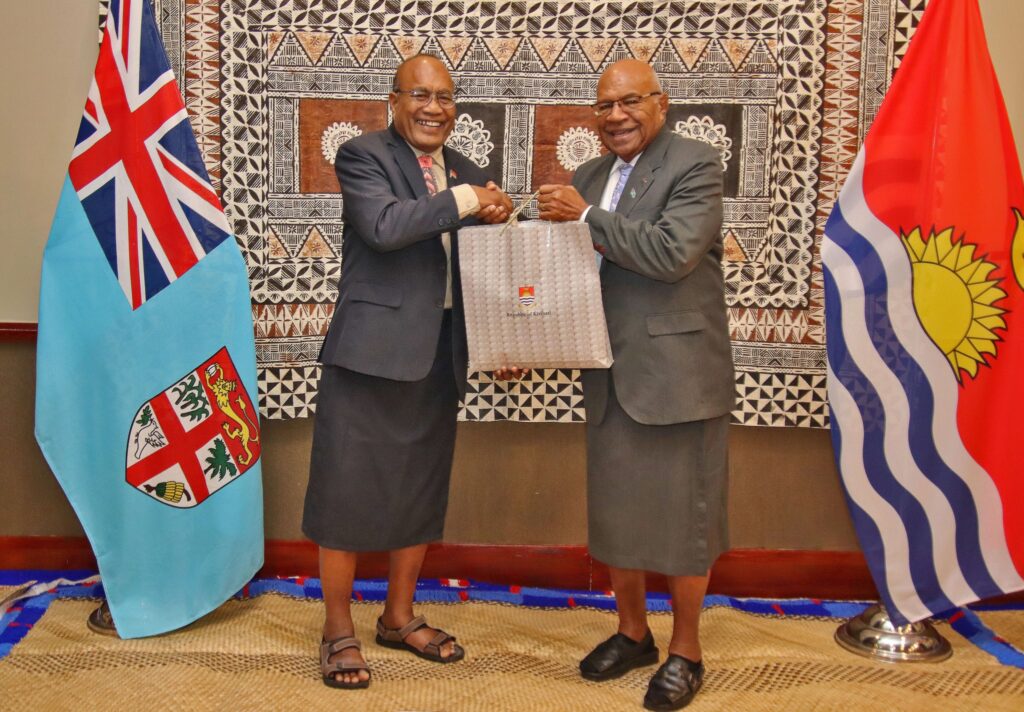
{"points": [[955, 298]]}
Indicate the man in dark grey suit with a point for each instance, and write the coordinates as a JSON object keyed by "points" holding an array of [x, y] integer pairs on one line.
{"points": [[657, 420], [394, 365]]}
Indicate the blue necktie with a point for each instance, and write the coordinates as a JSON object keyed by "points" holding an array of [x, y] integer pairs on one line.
{"points": [[624, 170]]}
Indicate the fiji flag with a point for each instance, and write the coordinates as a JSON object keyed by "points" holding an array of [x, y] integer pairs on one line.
{"points": [[924, 261], [146, 373]]}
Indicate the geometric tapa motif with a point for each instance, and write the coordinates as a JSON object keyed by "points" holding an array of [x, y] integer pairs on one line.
{"points": [[785, 89]]}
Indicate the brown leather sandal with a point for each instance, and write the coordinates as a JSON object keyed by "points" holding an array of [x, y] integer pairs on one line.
{"points": [[329, 669], [395, 638]]}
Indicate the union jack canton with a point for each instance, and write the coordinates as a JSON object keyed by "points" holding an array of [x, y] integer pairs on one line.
{"points": [[136, 166]]}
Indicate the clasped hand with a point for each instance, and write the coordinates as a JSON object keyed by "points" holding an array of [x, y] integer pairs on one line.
{"points": [[495, 205], [560, 203]]}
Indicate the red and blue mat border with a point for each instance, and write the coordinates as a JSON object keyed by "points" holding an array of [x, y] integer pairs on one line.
{"points": [[19, 620]]}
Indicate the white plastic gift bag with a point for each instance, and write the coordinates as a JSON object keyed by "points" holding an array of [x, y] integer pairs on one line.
{"points": [[532, 297]]}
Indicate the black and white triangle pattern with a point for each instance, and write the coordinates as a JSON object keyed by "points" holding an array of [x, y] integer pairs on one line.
{"points": [[780, 399], [546, 395]]}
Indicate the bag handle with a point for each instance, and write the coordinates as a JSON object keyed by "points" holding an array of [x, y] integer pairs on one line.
{"points": [[513, 218]]}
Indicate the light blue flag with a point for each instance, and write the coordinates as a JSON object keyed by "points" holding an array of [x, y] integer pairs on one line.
{"points": [[146, 368]]}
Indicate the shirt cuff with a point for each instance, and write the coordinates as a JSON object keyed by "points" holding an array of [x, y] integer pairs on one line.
{"points": [[465, 200], [583, 217]]}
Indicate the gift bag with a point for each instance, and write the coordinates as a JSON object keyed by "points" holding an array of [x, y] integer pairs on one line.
{"points": [[532, 297]]}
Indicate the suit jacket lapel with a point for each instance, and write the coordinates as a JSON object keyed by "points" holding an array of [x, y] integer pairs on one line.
{"points": [[451, 175], [406, 160], [643, 174]]}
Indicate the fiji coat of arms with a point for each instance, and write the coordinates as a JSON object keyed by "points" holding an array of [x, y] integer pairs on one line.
{"points": [[195, 437]]}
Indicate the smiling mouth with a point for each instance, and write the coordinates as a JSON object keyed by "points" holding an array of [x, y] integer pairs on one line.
{"points": [[618, 133], [429, 124]]}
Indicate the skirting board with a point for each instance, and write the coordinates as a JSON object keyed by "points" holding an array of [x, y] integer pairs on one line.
{"points": [[18, 331], [756, 573], [742, 572]]}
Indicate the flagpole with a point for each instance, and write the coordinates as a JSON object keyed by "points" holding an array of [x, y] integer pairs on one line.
{"points": [[874, 635]]}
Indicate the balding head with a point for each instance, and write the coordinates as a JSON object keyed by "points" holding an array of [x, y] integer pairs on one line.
{"points": [[409, 67], [638, 107], [637, 75]]}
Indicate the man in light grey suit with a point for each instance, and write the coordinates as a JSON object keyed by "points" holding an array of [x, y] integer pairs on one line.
{"points": [[394, 366], [657, 420]]}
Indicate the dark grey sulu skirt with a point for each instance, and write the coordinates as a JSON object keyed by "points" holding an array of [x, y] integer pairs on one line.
{"points": [[382, 457], [656, 494]]}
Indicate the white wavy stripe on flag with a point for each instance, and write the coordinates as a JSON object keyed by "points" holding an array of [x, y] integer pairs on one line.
{"points": [[945, 389], [891, 529], [896, 436]]}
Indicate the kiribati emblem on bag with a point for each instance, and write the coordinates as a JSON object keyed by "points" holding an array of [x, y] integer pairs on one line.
{"points": [[195, 437], [527, 297]]}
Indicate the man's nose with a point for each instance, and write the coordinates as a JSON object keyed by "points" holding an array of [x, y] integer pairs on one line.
{"points": [[617, 113]]}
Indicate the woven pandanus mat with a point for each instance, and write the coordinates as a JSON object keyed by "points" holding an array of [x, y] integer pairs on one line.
{"points": [[1008, 624], [261, 654]]}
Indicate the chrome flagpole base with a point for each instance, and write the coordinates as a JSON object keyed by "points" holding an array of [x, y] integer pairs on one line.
{"points": [[873, 635], [100, 621]]}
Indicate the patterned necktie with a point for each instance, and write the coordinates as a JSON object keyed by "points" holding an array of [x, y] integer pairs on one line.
{"points": [[427, 166], [624, 171]]}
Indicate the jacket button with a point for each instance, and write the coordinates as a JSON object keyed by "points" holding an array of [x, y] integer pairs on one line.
{"points": [[441, 222], [439, 304]]}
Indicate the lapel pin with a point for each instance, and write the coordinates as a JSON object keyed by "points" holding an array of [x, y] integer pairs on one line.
{"points": [[632, 192]]}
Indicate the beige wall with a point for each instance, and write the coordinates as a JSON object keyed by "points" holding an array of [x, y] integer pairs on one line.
{"points": [[47, 52], [513, 483]]}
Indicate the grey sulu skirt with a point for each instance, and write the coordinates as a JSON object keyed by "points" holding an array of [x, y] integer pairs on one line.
{"points": [[656, 494], [382, 457]]}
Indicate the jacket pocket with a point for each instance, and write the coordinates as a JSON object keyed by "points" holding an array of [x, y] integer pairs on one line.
{"points": [[679, 322], [380, 294]]}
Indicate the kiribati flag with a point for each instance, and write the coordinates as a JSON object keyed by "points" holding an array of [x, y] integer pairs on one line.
{"points": [[924, 261], [146, 369]]}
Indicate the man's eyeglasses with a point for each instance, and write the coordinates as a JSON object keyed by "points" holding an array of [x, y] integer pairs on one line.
{"points": [[629, 103], [422, 96]]}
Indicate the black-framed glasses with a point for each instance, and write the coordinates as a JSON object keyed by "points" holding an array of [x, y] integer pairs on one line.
{"points": [[628, 103], [445, 99]]}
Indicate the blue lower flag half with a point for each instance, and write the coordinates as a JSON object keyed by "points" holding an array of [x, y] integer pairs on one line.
{"points": [[148, 419]]}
